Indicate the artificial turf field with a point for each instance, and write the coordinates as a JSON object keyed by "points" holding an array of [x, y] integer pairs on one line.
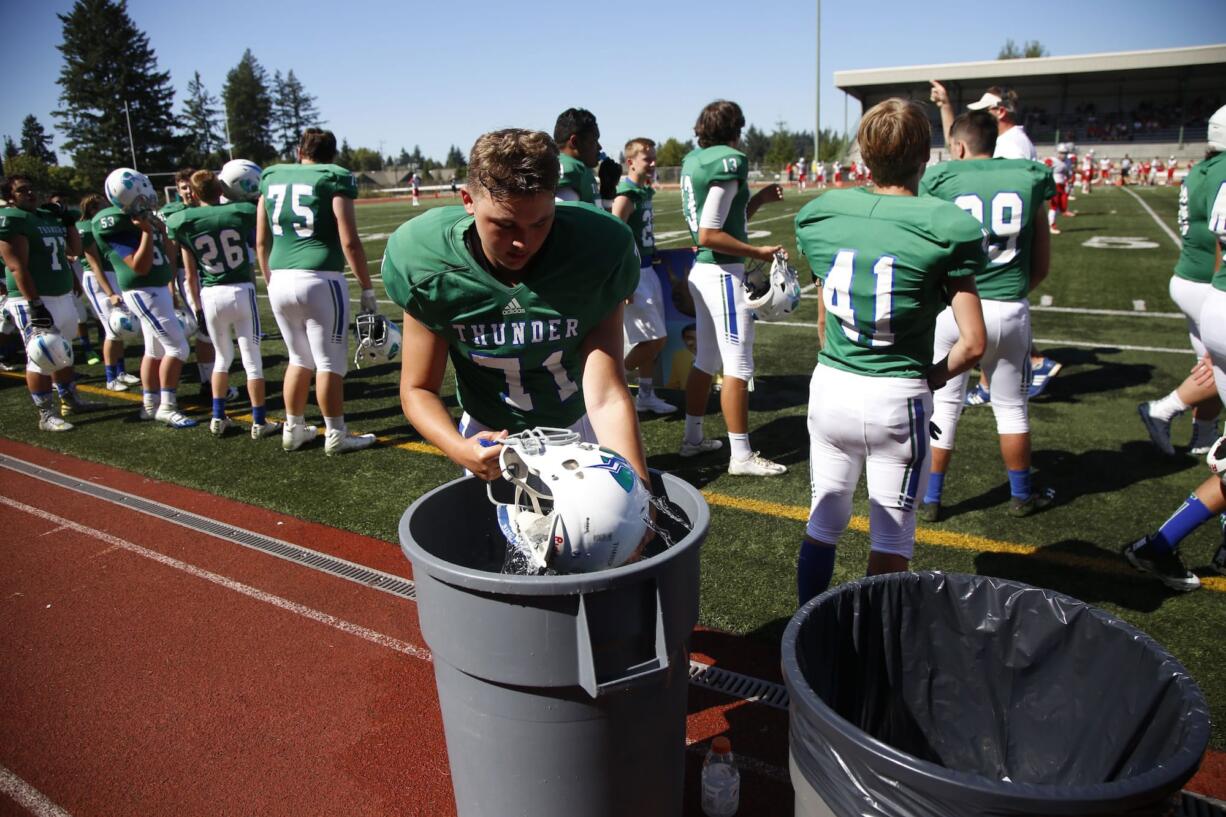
{"points": [[1111, 484]]}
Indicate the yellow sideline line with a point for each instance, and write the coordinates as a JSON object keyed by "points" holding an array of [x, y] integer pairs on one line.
{"points": [[953, 540]]}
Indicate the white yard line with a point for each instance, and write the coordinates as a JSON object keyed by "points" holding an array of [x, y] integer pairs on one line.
{"points": [[28, 797], [1171, 233]]}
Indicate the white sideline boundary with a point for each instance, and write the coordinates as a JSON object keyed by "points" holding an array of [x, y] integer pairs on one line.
{"points": [[1170, 233], [28, 797]]}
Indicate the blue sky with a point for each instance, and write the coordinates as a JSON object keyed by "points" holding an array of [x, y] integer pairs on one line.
{"points": [[434, 74]]}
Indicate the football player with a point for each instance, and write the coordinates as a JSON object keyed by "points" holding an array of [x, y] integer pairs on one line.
{"points": [[888, 262], [214, 240], [137, 249], [102, 291], [34, 246], [578, 139], [1007, 197], [305, 232], [1059, 200], [1204, 194], [205, 355], [716, 204], [525, 297], [1191, 288], [645, 329]]}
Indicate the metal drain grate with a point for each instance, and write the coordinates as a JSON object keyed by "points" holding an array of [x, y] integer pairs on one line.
{"points": [[322, 562], [745, 687], [1196, 805]]}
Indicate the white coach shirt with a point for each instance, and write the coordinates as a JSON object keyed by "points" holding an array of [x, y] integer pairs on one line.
{"points": [[1015, 144]]}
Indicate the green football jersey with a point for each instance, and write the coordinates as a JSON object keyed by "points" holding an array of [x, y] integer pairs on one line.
{"points": [[884, 262], [699, 170], [172, 208], [1197, 194], [1005, 196], [515, 349], [641, 220], [47, 240], [578, 177], [117, 237], [86, 228], [219, 238], [298, 205]]}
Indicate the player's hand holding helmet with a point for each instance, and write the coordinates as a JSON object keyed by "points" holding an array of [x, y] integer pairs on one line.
{"points": [[775, 294], [378, 339], [577, 507], [130, 191]]}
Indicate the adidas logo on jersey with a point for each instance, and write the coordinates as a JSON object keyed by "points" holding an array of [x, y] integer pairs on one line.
{"points": [[513, 308]]}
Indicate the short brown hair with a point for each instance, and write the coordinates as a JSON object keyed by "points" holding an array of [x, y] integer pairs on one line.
{"points": [[513, 162], [637, 145], [206, 185], [977, 129], [6, 187], [318, 145], [184, 175], [719, 123], [895, 140], [91, 204], [1008, 97]]}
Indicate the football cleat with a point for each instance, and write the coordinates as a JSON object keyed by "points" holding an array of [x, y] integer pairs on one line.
{"points": [[1167, 565], [171, 416], [73, 404], [978, 396], [266, 429], [1034, 503], [928, 512], [130, 191], [1204, 435], [220, 425], [116, 385], [49, 351], [704, 446], [342, 442], [146, 413], [294, 437], [652, 403], [49, 422], [240, 180], [129, 379], [577, 507], [775, 295], [1159, 430], [378, 339], [1041, 376], [755, 465]]}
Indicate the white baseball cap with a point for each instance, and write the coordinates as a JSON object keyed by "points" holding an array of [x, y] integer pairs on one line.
{"points": [[1217, 129], [988, 100]]}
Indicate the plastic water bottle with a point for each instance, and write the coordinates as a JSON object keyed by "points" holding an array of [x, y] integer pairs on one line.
{"points": [[721, 782]]}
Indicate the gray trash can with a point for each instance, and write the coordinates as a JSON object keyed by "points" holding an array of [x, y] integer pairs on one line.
{"points": [[931, 694], [562, 696]]}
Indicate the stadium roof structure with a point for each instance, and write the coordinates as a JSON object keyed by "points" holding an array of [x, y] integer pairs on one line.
{"points": [[1179, 86]]}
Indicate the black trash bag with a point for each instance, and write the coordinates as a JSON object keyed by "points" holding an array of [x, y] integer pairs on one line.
{"points": [[916, 694]]}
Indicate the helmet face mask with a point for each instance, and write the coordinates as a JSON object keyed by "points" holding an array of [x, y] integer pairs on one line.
{"points": [[378, 339], [578, 508], [774, 295], [131, 191]]}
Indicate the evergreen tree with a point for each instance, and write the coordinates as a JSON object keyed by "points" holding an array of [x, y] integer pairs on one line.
{"points": [[34, 141], [249, 108], [782, 148], [455, 158], [345, 157], [293, 111], [11, 151], [672, 152], [201, 116], [754, 144], [109, 64], [403, 159], [416, 159]]}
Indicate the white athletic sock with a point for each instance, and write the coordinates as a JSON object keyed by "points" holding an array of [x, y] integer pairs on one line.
{"points": [[1051, 217], [295, 420], [739, 443], [150, 401], [1168, 408], [169, 398], [335, 423], [693, 429], [647, 386]]}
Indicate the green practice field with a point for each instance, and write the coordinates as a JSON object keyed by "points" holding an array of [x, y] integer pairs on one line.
{"points": [[1112, 485]]}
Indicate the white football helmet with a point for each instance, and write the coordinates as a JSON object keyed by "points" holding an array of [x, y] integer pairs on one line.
{"points": [[49, 351], [1217, 129], [1217, 458], [578, 507], [188, 321], [125, 326], [240, 180], [776, 295], [131, 191], [378, 339], [8, 326]]}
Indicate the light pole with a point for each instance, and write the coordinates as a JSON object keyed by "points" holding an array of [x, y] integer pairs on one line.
{"points": [[817, 114], [131, 143]]}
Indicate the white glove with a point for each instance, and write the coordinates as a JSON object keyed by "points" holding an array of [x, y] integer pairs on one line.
{"points": [[367, 301]]}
